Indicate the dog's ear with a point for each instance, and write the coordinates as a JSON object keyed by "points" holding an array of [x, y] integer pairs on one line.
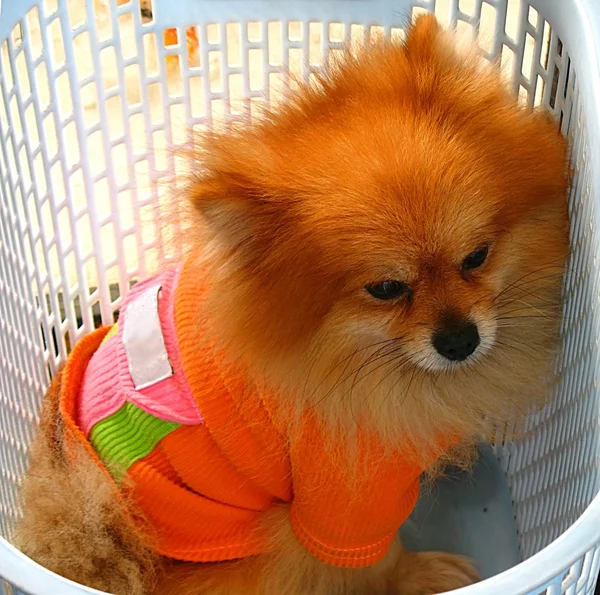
{"points": [[230, 204], [238, 192], [245, 186], [435, 51], [423, 38]]}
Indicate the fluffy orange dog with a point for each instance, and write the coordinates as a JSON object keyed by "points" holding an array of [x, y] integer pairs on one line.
{"points": [[377, 276]]}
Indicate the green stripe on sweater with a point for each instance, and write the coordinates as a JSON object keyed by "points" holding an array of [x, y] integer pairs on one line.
{"points": [[127, 436], [111, 333]]}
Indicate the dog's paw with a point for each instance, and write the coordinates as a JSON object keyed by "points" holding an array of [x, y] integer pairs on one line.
{"points": [[434, 572]]}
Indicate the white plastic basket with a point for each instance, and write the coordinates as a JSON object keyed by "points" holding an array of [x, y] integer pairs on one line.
{"points": [[90, 96]]}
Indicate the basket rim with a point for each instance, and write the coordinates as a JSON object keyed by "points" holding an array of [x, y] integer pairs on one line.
{"points": [[537, 572], [576, 22], [549, 564]]}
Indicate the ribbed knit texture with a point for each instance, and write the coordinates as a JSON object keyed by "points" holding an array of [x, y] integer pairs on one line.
{"points": [[108, 384], [71, 381], [204, 487], [127, 436]]}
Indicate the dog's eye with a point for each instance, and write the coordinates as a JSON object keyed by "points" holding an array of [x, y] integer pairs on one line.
{"points": [[476, 258], [388, 290]]}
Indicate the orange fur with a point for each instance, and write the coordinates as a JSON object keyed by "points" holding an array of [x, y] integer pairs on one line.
{"points": [[72, 524], [397, 165]]}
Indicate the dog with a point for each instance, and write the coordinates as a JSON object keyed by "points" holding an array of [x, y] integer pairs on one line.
{"points": [[374, 280]]}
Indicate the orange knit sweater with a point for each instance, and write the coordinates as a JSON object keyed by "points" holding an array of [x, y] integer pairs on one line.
{"points": [[205, 487]]}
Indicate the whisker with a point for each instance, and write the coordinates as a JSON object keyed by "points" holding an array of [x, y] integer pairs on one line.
{"points": [[524, 316], [357, 375], [398, 343], [517, 349], [347, 360], [416, 370], [395, 369], [521, 280], [539, 331]]}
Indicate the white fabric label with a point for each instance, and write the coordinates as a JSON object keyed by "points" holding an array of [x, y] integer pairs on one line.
{"points": [[144, 343]]}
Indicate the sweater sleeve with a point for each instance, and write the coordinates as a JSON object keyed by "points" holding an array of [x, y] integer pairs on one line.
{"points": [[348, 506]]}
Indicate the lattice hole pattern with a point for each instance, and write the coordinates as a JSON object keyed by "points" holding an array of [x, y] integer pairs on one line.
{"points": [[99, 100]]}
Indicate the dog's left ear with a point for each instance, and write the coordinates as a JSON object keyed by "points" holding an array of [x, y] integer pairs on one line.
{"points": [[434, 50], [422, 42]]}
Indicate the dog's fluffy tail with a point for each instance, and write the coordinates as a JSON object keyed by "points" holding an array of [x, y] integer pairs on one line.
{"points": [[72, 522]]}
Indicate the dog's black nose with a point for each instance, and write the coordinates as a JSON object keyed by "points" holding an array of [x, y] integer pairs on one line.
{"points": [[457, 342]]}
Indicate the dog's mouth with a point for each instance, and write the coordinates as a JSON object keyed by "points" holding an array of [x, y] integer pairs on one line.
{"points": [[435, 363]]}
